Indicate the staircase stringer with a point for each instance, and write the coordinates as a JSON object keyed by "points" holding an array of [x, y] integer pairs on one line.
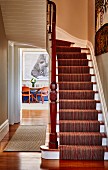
{"points": [[99, 85]]}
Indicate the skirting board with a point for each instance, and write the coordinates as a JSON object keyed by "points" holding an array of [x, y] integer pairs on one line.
{"points": [[4, 128]]}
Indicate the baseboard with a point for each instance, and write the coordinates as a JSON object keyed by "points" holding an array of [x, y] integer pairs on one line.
{"points": [[4, 128]]}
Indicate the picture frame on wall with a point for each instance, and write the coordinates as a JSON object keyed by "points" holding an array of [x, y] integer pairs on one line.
{"points": [[35, 64]]}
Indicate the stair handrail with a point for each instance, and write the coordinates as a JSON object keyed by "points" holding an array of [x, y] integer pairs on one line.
{"points": [[51, 10]]}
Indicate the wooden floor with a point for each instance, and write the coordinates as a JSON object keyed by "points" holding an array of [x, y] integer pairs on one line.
{"points": [[32, 160]]}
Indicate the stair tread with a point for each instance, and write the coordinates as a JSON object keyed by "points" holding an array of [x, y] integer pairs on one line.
{"points": [[66, 100], [79, 110], [68, 47], [84, 146], [75, 74], [72, 53], [65, 41], [73, 59], [61, 82], [75, 66], [78, 91], [78, 121], [82, 133]]}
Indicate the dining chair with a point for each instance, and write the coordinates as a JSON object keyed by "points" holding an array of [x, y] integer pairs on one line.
{"points": [[26, 92], [43, 92]]}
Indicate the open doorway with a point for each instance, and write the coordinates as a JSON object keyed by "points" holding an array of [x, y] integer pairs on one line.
{"points": [[34, 76]]}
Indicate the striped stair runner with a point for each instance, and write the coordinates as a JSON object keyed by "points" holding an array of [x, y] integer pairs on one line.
{"points": [[79, 128]]}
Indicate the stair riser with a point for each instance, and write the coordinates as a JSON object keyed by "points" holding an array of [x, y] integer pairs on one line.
{"points": [[73, 70], [72, 56], [75, 77], [104, 142], [81, 140], [62, 43], [98, 107], [68, 95], [79, 127], [63, 56], [77, 105], [76, 95], [72, 62], [79, 116], [76, 86], [102, 128], [68, 49]]}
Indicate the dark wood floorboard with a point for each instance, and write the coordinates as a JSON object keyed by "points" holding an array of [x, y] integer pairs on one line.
{"points": [[32, 160]]}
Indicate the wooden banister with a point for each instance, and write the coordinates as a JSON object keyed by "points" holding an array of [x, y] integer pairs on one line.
{"points": [[53, 144]]}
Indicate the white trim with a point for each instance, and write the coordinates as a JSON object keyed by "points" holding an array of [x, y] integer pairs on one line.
{"points": [[106, 156], [63, 35], [4, 128], [99, 84], [49, 154], [10, 83]]}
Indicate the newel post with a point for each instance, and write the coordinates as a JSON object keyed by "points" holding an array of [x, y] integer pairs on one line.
{"points": [[53, 144]]}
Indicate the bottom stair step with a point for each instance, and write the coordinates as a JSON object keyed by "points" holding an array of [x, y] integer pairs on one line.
{"points": [[81, 152]]}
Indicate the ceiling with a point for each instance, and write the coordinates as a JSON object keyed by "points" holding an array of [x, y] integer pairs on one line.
{"points": [[25, 21]]}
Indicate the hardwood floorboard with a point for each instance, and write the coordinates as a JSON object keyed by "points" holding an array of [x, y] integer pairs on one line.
{"points": [[32, 160]]}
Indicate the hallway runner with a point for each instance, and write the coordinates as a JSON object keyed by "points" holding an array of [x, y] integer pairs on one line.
{"points": [[27, 138]]}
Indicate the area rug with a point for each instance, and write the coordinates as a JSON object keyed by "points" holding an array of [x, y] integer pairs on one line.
{"points": [[27, 138]]}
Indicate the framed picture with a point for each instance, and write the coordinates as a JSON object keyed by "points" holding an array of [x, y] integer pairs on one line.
{"points": [[35, 64]]}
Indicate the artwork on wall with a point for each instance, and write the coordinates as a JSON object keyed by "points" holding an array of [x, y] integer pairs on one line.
{"points": [[35, 64], [101, 23], [101, 40]]}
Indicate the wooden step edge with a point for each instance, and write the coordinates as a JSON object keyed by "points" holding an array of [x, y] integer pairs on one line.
{"points": [[69, 100], [73, 59], [75, 74], [77, 91], [65, 41], [62, 41], [102, 134], [75, 66], [61, 82], [73, 53], [77, 110], [71, 43], [58, 121], [69, 47]]}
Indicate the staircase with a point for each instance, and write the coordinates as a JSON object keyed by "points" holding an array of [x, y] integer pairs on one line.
{"points": [[80, 134]]}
